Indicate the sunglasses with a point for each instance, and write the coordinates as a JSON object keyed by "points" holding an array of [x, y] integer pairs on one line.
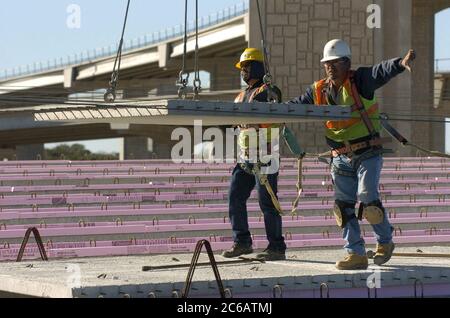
{"points": [[335, 62]]}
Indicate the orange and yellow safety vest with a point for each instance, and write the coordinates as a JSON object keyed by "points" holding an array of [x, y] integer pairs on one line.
{"points": [[349, 129]]}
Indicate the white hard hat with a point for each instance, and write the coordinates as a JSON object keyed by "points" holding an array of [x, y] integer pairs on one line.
{"points": [[336, 49]]}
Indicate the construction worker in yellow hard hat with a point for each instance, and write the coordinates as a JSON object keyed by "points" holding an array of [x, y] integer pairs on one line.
{"points": [[251, 65], [250, 54], [246, 175]]}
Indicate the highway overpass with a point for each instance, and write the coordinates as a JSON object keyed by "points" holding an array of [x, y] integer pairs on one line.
{"points": [[148, 72]]}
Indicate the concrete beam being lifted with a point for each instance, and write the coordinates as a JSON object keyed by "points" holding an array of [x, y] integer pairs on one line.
{"points": [[185, 112]]}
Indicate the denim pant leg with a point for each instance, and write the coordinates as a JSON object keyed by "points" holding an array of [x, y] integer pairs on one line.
{"points": [[272, 219], [369, 172], [346, 188], [241, 187]]}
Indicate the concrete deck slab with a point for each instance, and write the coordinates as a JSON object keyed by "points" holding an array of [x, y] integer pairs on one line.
{"points": [[303, 271]]}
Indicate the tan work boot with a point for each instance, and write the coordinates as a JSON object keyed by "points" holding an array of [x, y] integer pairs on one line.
{"points": [[353, 262], [383, 253]]}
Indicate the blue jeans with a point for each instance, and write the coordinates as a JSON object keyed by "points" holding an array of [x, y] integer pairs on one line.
{"points": [[242, 184], [355, 179]]}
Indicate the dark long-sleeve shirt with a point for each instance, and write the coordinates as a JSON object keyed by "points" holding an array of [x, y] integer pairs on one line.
{"points": [[367, 79]]}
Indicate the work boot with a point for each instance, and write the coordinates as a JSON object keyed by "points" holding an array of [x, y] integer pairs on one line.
{"points": [[237, 250], [353, 262], [271, 255], [383, 253]]}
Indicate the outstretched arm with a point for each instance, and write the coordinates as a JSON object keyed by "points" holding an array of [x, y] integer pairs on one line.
{"points": [[306, 99], [369, 79]]}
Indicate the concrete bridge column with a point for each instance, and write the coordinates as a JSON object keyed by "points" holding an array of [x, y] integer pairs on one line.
{"points": [[424, 91], [30, 152], [136, 148], [224, 75], [149, 142], [393, 39], [410, 24]]}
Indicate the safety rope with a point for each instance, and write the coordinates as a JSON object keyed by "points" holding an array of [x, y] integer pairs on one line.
{"points": [[394, 133], [265, 182], [299, 185], [298, 152], [183, 76], [294, 147], [110, 95]]}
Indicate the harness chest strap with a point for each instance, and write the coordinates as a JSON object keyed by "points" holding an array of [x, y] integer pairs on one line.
{"points": [[360, 106], [357, 107]]}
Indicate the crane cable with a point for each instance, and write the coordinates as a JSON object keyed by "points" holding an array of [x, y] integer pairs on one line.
{"points": [[110, 95], [272, 96], [197, 82], [183, 76]]}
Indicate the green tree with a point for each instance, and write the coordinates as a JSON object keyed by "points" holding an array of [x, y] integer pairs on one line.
{"points": [[77, 152]]}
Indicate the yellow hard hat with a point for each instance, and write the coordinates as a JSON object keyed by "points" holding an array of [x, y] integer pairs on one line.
{"points": [[250, 54]]}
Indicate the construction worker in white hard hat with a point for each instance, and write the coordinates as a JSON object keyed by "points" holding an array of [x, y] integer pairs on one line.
{"points": [[244, 178], [356, 147]]}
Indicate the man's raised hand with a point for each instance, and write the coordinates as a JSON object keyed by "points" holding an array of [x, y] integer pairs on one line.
{"points": [[410, 56]]}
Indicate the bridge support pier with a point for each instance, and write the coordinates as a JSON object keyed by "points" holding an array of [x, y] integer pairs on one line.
{"points": [[136, 148], [30, 152], [149, 142]]}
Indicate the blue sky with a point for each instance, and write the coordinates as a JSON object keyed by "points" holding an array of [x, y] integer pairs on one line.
{"points": [[39, 30]]}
